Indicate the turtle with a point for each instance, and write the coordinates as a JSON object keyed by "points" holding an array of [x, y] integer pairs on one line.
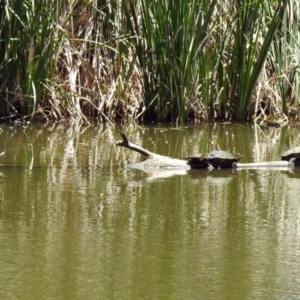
{"points": [[197, 161], [292, 153], [222, 159]]}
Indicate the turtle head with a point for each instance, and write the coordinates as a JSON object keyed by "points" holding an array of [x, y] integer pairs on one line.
{"points": [[202, 157], [291, 163]]}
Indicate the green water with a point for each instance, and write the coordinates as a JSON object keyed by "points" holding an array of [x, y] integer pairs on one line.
{"points": [[76, 224]]}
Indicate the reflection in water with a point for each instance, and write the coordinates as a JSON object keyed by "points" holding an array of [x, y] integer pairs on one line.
{"points": [[75, 223]]}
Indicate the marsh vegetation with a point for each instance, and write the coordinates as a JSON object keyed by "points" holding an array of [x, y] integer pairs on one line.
{"points": [[166, 61]]}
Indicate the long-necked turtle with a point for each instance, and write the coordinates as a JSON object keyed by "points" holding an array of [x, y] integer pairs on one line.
{"points": [[221, 159], [197, 161], [292, 153]]}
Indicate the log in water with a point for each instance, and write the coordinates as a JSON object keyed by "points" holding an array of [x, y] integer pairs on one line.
{"points": [[266, 165], [156, 161]]}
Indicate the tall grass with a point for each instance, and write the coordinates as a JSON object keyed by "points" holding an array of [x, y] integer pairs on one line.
{"points": [[284, 55], [28, 47], [203, 57], [169, 39], [245, 38], [94, 68], [169, 61]]}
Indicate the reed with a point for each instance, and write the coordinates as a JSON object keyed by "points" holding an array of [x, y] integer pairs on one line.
{"points": [[284, 55], [204, 61], [28, 46], [246, 31], [195, 60], [169, 40]]}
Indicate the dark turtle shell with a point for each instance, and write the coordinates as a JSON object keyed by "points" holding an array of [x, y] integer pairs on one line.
{"points": [[197, 161], [221, 159], [292, 153]]}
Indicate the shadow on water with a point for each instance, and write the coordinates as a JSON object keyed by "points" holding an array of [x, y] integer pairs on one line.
{"points": [[76, 223]]}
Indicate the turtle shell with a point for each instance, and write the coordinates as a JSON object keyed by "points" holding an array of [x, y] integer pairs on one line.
{"points": [[197, 161], [292, 153], [221, 159]]}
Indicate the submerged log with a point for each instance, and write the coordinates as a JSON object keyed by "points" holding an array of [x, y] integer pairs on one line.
{"points": [[152, 160], [156, 161], [125, 143], [281, 164]]}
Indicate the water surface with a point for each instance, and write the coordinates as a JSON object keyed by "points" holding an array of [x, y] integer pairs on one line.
{"points": [[76, 224]]}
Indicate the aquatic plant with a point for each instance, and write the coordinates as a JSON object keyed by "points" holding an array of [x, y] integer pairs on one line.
{"points": [[283, 65], [245, 40], [193, 60], [171, 43], [28, 44]]}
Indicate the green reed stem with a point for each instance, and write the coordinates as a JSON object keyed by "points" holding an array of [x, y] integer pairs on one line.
{"points": [[169, 43], [29, 43]]}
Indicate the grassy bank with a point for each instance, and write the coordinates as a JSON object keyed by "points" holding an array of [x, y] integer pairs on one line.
{"points": [[154, 62]]}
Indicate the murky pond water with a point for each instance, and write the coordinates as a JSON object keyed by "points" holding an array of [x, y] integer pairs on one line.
{"points": [[76, 224]]}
